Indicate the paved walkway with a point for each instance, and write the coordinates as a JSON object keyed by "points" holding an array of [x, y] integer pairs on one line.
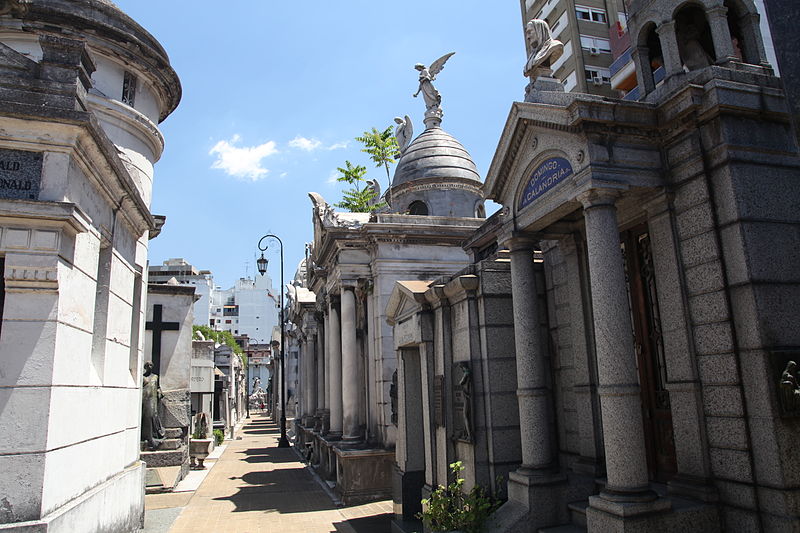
{"points": [[256, 487]]}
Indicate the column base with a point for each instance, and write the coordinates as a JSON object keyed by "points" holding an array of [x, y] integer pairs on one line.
{"points": [[625, 505], [535, 500], [656, 516]]}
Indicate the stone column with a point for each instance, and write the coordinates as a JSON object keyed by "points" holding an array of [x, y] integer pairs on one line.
{"points": [[644, 73], [669, 48], [311, 385], [350, 384], [335, 370], [620, 400], [532, 391], [718, 21]]}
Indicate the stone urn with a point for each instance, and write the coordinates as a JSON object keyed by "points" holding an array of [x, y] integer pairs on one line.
{"points": [[199, 450]]}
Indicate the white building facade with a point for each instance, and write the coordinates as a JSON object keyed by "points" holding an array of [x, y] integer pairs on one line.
{"points": [[82, 91]]}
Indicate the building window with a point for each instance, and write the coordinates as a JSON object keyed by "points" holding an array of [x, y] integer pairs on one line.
{"points": [[129, 89], [597, 75], [227, 321], [591, 14], [418, 208], [595, 45]]}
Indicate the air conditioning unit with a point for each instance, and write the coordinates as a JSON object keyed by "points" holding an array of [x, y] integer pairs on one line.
{"points": [[597, 82], [594, 51]]}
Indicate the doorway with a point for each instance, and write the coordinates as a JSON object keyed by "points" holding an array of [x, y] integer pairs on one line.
{"points": [[650, 358]]}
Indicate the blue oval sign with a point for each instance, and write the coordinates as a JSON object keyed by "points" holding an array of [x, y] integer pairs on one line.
{"points": [[545, 177]]}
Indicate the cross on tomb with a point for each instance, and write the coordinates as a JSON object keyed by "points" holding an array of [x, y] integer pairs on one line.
{"points": [[157, 326]]}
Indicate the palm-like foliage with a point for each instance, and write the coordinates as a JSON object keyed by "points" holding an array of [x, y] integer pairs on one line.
{"points": [[382, 148], [359, 198]]}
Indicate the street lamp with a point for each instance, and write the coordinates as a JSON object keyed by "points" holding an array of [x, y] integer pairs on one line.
{"points": [[262, 263]]}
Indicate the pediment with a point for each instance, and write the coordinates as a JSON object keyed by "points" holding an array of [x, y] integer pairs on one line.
{"points": [[406, 299]]}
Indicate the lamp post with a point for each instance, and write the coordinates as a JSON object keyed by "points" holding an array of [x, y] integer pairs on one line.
{"points": [[262, 263]]}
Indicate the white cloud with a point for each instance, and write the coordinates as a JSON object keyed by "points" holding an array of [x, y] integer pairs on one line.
{"points": [[309, 145], [242, 162], [283, 174], [334, 176]]}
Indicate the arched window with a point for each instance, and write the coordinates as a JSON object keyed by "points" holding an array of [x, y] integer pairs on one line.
{"points": [[417, 207], [694, 38]]}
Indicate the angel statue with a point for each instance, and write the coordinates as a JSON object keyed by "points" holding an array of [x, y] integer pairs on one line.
{"points": [[427, 75], [403, 132], [544, 49], [375, 187]]}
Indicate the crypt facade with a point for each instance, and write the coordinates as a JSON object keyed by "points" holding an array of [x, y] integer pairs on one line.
{"points": [[83, 90], [648, 270]]}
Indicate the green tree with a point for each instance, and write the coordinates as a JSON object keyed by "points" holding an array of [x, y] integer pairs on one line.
{"points": [[220, 337], [359, 198], [382, 148]]}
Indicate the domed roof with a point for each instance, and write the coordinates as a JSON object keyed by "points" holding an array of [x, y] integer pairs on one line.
{"points": [[104, 20], [435, 154]]}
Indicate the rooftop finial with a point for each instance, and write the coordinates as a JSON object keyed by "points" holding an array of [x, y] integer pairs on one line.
{"points": [[433, 100]]}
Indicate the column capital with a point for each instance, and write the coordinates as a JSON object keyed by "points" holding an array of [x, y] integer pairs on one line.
{"points": [[667, 25], [598, 197], [521, 243], [718, 11]]}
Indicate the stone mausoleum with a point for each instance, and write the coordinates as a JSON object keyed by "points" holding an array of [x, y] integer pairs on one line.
{"points": [[82, 91], [348, 361], [645, 259]]}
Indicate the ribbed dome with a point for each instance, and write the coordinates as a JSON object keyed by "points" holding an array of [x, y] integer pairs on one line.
{"points": [[434, 154]]}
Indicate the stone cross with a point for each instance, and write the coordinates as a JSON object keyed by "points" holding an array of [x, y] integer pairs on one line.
{"points": [[157, 327]]}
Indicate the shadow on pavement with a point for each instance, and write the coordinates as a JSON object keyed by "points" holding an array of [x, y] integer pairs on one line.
{"points": [[381, 523]]}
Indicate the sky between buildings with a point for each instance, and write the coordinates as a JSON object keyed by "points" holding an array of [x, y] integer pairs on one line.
{"points": [[275, 91]]}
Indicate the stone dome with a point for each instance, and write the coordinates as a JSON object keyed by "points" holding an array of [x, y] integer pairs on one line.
{"points": [[435, 154], [102, 21], [437, 177]]}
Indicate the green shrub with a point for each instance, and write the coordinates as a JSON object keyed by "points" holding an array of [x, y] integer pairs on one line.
{"points": [[449, 509], [219, 436]]}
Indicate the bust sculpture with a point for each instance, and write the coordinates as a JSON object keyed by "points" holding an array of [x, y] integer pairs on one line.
{"points": [[544, 49], [152, 430]]}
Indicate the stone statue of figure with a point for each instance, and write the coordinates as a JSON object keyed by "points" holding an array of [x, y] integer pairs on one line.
{"points": [[789, 391], [465, 384], [693, 54], [152, 430], [403, 132], [544, 49], [427, 75]]}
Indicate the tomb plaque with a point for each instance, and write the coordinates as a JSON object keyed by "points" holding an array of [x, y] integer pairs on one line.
{"points": [[545, 177], [438, 400], [20, 174]]}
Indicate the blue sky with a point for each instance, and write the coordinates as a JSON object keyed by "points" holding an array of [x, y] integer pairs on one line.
{"points": [[275, 92]]}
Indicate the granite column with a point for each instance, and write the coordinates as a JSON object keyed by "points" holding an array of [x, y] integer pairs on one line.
{"points": [[350, 384], [335, 370], [620, 399], [532, 390]]}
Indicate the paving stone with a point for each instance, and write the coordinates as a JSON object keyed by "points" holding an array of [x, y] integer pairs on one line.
{"points": [[256, 487]]}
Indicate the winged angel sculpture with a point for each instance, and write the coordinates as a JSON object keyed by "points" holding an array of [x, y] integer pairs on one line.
{"points": [[427, 75]]}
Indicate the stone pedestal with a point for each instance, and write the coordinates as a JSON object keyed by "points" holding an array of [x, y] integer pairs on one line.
{"points": [[363, 475]]}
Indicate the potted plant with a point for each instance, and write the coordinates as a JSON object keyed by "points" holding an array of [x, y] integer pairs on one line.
{"points": [[200, 445], [450, 510]]}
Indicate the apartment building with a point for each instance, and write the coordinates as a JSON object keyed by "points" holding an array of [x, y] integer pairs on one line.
{"points": [[591, 31]]}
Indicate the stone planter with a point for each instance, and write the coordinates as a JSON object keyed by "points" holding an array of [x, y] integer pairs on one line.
{"points": [[199, 450]]}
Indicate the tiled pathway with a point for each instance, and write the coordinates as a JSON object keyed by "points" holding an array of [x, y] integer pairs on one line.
{"points": [[256, 487]]}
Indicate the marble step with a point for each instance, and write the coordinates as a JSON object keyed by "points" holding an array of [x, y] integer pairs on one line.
{"points": [[166, 444], [173, 433], [568, 528], [577, 512], [165, 457]]}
